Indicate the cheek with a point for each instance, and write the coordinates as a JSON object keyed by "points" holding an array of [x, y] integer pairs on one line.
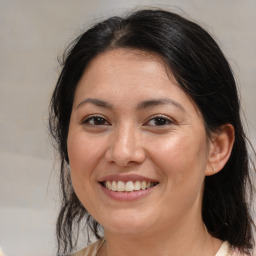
{"points": [[182, 160], [83, 157], [84, 152], [180, 157]]}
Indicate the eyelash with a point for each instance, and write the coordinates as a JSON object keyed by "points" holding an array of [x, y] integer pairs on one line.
{"points": [[93, 118], [161, 118], [158, 118]]}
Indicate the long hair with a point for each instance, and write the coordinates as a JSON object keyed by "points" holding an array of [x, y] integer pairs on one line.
{"points": [[201, 69]]}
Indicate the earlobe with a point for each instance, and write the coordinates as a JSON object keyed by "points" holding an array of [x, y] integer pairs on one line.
{"points": [[221, 145]]}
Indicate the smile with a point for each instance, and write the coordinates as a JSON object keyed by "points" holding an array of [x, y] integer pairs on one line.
{"points": [[129, 186]]}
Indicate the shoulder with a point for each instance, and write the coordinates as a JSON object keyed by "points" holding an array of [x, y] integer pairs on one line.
{"points": [[90, 250]]}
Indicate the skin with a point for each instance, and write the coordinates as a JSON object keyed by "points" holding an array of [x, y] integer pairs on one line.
{"points": [[128, 139]]}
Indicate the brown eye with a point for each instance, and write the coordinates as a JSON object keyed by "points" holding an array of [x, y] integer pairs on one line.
{"points": [[95, 121], [159, 121]]}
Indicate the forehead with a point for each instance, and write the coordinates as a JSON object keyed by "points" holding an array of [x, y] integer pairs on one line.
{"points": [[129, 73], [128, 60], [126, 66]]}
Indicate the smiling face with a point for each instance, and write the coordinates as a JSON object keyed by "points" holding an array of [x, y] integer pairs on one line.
{"points": [[133, 130]]}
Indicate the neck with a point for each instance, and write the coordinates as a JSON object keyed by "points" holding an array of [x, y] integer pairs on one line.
{"points": [[191, 239]]}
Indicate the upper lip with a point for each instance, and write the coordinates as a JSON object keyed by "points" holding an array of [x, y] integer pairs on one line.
{"points": [[126, 178]]}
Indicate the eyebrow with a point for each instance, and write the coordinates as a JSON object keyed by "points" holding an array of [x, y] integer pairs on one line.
{"points": [[97, 102], [157, 102], [142, 105]]}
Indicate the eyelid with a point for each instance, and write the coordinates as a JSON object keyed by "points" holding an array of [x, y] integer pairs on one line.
{"points": [[86, 119], [170, 120]]}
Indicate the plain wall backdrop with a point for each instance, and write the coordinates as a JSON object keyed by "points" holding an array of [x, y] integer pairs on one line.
{"points": [[32, 35]]}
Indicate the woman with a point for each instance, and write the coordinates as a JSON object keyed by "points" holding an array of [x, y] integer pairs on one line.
{"points": [[146, 118]]}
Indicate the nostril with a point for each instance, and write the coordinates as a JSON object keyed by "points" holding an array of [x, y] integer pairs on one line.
{"points": [[124, 157]]}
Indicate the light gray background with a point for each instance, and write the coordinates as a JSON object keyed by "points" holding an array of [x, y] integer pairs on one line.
{"points": [[32, 34]]}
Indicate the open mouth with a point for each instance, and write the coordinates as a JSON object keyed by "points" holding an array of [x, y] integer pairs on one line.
{"points": [[130, 186]]}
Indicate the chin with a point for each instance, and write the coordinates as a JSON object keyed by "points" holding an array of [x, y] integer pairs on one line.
{"points": [[128, 224]]}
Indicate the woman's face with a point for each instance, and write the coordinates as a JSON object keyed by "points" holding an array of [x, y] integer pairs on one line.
{"points": [[137, 145]]}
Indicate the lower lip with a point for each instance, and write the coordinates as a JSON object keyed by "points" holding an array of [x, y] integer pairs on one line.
{"points": [[127, 196]]}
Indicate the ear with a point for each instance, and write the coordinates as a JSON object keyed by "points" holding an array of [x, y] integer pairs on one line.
{"points": [[221, 144]]}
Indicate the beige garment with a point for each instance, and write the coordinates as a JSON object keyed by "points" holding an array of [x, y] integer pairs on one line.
{"points": [[90, 250], [225, 250]]}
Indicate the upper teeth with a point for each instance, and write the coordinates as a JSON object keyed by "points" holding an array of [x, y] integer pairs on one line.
{"points": [[128, 186]]}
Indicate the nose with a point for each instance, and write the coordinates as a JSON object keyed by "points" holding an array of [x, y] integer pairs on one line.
{"points": [[125, 147]]}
